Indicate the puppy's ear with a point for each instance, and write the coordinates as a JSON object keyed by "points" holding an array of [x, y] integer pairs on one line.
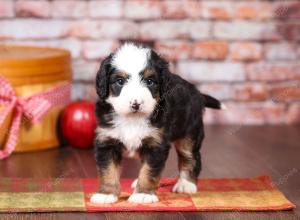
{"points": [[102, 78], [162, 68]]}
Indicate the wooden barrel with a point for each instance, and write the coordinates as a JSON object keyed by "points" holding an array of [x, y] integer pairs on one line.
{"points": [[32, 70]]}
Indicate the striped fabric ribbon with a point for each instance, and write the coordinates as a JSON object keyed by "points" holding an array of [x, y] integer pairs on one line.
{"points": [[32, 108]]}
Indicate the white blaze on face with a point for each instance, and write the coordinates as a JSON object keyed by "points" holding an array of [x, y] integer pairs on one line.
{"points": [[132, 59]]}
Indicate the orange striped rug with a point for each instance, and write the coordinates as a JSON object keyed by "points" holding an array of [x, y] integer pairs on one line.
{"points": [[64, 195]]}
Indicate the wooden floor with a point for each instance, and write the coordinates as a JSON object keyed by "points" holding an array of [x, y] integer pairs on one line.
{"points": [[236, 151]]}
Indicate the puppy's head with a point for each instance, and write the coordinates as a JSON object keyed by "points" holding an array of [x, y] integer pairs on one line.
{"points": [[131, 80]]}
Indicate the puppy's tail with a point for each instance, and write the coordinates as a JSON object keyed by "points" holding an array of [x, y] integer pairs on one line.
{"points": [[211, 102]]}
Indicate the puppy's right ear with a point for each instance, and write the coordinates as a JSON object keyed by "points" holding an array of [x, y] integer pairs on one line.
{"points": [[102, 78]]}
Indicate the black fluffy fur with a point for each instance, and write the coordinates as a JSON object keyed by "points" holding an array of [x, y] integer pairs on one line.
{"points": [[178, 113]]}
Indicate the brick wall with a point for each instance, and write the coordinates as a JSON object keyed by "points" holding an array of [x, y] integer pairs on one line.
{"points": [[245, 53]]}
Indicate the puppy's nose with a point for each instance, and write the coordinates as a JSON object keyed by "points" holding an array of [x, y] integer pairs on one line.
{"points": [[135, 106]]}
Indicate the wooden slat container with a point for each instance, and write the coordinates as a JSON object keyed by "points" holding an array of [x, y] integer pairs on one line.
{"points": [[32, 70]]}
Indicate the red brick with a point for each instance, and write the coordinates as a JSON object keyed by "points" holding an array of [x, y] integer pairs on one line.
{"points": [[73, 45], [33, 29], [275, 114], [199, 29], [32, 8], [174, 50], [222, 91], [83, 91], [98, 49], [253, 10], [249, 114], [217, 9], [241, 114], [211, 71], [281, 51], [172, 29], [164, 30], [181, 9], [69, 8], [293, 114], [142, 9], [289, 30], [245, 51], [287, 10], [246, 30], [250, 92], [84, 70], [6, 8], [278, 71], [285, 93], [106, 8], [105, 29], [212, 50]]}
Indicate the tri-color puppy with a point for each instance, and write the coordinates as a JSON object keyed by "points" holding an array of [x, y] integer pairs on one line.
{"points": [[142, 109]]}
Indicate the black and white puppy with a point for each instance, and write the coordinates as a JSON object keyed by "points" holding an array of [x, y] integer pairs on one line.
{"points": [[142, 109]]}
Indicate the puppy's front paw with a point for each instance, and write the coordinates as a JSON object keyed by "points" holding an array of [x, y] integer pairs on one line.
{"points": [[184, 186], [143, 198], [103, 198], [134, 183]]}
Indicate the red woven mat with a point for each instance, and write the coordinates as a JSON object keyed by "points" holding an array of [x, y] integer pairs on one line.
{"points": [[44, 195]]}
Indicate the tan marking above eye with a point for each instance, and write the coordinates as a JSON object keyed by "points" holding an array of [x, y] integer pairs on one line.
{"points": [[147, 73], [122, 75]]}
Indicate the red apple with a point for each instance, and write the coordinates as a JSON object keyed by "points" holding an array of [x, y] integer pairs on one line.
{"points": [[78, 124]]}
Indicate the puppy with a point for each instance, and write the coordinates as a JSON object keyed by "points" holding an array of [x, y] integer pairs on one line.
{"points": [[142, 109]]}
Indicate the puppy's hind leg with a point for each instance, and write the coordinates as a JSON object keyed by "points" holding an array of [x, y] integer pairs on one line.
{"points": [[189, 164]]}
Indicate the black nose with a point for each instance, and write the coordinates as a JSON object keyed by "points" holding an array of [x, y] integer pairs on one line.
{"points": [[135, 106]]}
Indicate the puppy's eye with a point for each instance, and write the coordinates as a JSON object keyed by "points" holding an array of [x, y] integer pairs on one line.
{"points": [[149, 82], [120, 81]]}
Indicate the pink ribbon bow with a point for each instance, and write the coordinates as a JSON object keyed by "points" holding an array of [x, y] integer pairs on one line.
{"points": [[32, 108]]}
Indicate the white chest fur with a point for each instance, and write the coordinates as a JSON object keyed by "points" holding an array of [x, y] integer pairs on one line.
{"points": [[130, 131]]}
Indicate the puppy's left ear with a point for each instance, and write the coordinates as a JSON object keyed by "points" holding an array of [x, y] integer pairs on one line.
{"points": [[162, 68], [102, 78]]}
